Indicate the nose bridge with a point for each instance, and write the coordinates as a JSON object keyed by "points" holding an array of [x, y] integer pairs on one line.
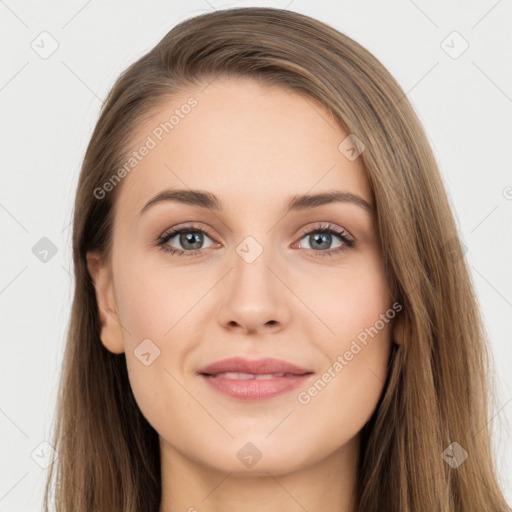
{"points": [[254, 296], [252, 276]]}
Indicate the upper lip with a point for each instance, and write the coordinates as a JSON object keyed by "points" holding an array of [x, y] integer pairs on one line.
{"points": [[255, 367]]}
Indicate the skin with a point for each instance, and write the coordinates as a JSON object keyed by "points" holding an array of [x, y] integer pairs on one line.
{"points": [[253, 146]]}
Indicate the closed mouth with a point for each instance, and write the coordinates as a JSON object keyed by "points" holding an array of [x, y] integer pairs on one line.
{"points": [[257, 376]]}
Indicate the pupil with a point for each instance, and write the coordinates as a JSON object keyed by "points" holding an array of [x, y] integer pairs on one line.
{"points": [[319, 238], [189, 238]]}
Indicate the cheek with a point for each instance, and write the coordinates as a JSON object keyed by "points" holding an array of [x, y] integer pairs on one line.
{"points": [[358, 311], [153, 301], [153, 304], [348, 301], [348, 388]]}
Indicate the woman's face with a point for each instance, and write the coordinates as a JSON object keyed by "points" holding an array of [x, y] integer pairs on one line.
{"points": [[252, 279]]}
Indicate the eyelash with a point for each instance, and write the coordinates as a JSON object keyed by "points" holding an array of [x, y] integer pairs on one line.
{"points": [[348, 243]]}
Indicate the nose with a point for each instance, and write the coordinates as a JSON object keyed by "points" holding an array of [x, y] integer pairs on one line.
{"points": [[255, 299]]}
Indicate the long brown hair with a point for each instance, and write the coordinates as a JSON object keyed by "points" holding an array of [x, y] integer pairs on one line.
{"points": [[438, 390]]}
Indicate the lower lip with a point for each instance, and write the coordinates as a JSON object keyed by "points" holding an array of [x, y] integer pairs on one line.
{"points": [[255, 389]]}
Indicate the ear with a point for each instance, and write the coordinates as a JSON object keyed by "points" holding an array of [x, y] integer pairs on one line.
{"points": [[400, 331], [111, 332]]}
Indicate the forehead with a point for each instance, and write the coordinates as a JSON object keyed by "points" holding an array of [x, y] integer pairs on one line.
{"points": [[243, 141]]}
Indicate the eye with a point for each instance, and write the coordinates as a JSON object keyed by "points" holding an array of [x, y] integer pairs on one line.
{"points": [[191, 239], [320, 236]]}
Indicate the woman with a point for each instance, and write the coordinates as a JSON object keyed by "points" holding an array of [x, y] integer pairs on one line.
{"points": [[318, 346]]}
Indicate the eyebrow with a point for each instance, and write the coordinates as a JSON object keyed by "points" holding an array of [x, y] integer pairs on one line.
{"points": [[295, 203]]}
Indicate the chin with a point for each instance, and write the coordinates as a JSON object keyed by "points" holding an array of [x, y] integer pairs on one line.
{"points": [[246, 458]]}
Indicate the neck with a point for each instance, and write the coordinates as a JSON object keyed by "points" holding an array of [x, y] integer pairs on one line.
{"points": [[327, 486]]}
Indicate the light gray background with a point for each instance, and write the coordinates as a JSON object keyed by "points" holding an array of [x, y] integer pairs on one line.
{"points": [[48, 110]]}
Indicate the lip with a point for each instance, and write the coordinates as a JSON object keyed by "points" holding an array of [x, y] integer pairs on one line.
{"points": [[290, 377], [256, 366]]}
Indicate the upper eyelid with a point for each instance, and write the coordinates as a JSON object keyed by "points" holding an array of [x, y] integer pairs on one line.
{"points": [[325, 226]]}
